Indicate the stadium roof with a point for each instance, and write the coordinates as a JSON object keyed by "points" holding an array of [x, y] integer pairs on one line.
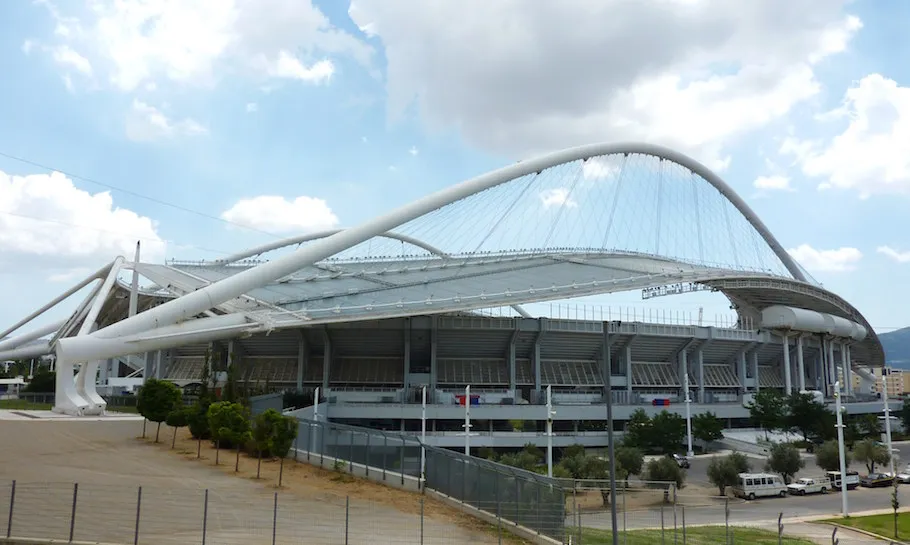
{"points": [[591, 220]]}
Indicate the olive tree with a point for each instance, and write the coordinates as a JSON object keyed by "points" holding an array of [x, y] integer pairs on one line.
{"points": [[156, 400]]}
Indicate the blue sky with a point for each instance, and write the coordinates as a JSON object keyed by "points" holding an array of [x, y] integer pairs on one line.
{"points": [[366, 107]]}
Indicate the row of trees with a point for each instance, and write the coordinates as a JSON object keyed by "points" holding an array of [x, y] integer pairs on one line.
{"points": [[225, 422], [665, 432], [576, 463], [785, 460]]}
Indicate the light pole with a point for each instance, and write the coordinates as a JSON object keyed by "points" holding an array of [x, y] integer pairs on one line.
{"points": [[888, 427], [550, 414], [467, 420], [315, 419], [423, 434], [689, 452], [841, 450]]}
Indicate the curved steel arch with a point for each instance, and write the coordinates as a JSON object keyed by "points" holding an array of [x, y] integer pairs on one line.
{"points": [[300, 239], [214, 294]]}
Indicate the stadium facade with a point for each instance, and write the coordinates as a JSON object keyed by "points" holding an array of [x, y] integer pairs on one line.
{"points": [[373, 315]]}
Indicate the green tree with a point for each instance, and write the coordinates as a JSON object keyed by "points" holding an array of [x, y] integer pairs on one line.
{"points": [[784, 459], [869, 426], [724, 471], [273, 435], [156, 400], [827, 456], [768, 410], [871, 453], [178, 418], [667, 432], [521, 459], [807, 416], [44, 381], [638, 430], [665, 470], [904, 414], [707, 428], [229, 424], [630, 460]]}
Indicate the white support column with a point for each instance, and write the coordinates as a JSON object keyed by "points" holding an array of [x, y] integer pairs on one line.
{"points": [[741, 371], [627, 356], [788, 375], [301, 361], [800, 365], [845, 367], [850, 367], [700, 361], [832, 367], [550, 414], [755, 370]]}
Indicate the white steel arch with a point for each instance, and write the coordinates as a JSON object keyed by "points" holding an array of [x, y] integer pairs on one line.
{"points": [[199, 301], [163, 324]]}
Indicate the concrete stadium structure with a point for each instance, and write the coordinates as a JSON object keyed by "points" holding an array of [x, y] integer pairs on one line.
{"points": [[371, 326]]}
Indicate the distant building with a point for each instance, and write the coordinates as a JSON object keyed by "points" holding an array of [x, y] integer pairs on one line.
{"points": [[896, 382]]}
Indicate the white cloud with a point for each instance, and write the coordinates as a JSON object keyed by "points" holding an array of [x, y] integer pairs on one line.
{"points": [[279, 215], [900, 257], [575, 72], [413, 150], [198, 41], [870, 155], [251, 107], [556, 197], [773, 183], [289, 67], [66, 57], [837, 260], [48, 224], [146, 123], [598, 168]]}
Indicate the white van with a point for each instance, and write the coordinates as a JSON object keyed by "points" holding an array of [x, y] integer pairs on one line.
{"points": [[757, 485]]}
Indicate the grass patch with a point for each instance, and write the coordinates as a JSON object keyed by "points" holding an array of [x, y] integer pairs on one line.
{"points": [[882, 525], [24, 405], [703, 535]]}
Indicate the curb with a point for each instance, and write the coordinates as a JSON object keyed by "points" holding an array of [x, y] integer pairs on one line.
{"points": [[861, 531]]}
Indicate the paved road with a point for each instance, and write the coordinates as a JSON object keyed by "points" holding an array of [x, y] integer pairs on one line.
{"points": [[698, 472], [758, 512]]}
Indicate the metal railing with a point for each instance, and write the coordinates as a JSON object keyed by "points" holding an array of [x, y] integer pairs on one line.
{"points": [[514, 495], [87, 512]]}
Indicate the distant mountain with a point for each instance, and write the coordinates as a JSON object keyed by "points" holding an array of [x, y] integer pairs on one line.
{"points": [[897, 347]]}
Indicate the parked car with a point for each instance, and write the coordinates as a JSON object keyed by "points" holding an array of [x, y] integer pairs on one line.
{"points": [[805, 485], [756, 485], [903, 476], [834, 477], [681, 460], [876, 480]]}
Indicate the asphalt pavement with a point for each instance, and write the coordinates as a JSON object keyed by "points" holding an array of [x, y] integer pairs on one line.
{"points": [[697, 510], [748, 513]]}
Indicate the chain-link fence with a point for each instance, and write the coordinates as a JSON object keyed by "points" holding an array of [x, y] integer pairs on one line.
{"points": [[514, 495], [87, 512]]}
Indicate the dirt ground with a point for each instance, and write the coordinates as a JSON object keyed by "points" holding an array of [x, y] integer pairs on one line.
{"points": [[110, 462]]}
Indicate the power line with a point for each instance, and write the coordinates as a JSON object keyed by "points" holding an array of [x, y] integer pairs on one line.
{"points": [[136, 237], [134, 194]]}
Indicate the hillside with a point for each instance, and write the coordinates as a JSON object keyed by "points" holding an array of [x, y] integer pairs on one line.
{"points": [[897, 347]]}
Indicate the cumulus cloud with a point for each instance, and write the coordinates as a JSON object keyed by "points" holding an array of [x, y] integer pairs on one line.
{"points": [[870, 155], [279, 215], [557, 197], [900, 257], [196, 41], [146, 123], [48, 224], [772, 183], [521, 81], [836, 260]]}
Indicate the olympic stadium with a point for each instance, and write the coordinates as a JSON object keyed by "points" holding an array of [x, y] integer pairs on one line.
{"points": [[374, 314]]}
